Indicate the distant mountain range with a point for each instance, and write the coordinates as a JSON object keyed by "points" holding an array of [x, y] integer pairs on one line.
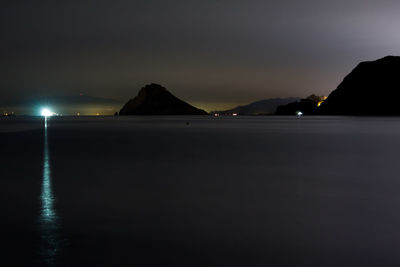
{"points": [[81, 99], [262, 107], [372, 88], [66, 105], [75, 100]]}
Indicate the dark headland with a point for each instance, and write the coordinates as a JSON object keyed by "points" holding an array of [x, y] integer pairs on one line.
{"points": [[372, 88], [154, 99]]}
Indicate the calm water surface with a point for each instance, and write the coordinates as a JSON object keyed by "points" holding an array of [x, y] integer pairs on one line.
{"points": [[200, 191]]}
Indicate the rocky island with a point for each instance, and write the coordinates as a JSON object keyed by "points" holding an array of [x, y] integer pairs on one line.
{"points": [[153, 99]]}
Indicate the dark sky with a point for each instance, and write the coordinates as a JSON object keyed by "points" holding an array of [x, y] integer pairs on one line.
{"points": [[213, 54]]}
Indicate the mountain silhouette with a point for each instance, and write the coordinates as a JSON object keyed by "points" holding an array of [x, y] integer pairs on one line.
{"points": [[154, 99], [262, 107], [372, 88]]}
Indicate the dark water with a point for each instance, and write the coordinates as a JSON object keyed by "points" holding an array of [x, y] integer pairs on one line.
{"points": [[154, 191]]}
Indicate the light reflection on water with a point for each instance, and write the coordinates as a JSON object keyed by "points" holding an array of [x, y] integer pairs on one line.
{"points": [[48, 220]]}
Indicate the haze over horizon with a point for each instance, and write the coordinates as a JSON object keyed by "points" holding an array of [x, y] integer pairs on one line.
{"points": [[213, 54]]}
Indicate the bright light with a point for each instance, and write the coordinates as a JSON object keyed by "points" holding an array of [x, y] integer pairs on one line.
{"points": [[47, 112], [299, 113]]}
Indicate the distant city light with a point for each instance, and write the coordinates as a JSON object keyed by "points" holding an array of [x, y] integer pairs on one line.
{"points": [[234, 114], [323, 98], [299, 113], [47, 112], [8, 113]]}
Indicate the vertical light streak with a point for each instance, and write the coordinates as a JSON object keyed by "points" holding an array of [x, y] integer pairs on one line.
{"points": [[48, 221]]}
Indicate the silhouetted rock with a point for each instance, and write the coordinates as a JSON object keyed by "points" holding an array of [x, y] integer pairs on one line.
{"points": [[262, 107], [154, 99], [307, 106], [372, 88]]}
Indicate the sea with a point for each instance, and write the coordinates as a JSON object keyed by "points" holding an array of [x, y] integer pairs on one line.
{"points": [[200, 191]]}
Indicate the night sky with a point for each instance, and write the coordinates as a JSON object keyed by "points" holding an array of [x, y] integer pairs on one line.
{"points": [[213, 54]]}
